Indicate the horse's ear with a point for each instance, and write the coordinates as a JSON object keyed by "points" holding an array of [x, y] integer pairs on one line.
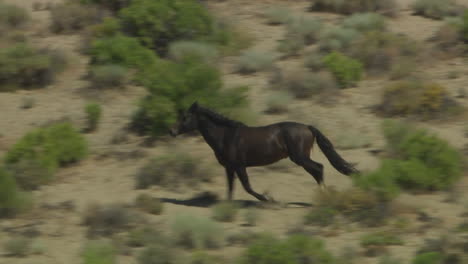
{"points": [[194, 106]]}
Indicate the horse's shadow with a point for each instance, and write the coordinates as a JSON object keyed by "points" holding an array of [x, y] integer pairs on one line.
{"points": [[208, 199]]}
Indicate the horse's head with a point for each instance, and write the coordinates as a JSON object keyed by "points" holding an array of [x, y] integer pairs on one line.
{"points": [[187, 122]]}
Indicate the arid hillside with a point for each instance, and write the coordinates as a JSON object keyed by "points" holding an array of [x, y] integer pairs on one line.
{"points": [[141, 196]]}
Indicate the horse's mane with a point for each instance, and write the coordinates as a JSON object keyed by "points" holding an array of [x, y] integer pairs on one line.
{"points": [[219, 119]]}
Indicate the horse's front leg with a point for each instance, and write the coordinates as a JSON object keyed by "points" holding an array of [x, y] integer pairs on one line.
{"points": [[230, 180]]}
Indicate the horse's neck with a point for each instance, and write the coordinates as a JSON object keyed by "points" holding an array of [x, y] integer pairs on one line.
{"points": [[213, 134]]}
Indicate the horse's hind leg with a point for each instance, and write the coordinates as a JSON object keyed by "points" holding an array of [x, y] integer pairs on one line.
{"points": [[244, 179], [312, 167]]}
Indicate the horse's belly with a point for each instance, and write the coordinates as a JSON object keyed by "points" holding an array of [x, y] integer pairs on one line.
{"points": [[264, 155]]}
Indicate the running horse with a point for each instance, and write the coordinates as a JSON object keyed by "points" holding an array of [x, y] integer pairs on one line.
{"points": [[238, 146]]}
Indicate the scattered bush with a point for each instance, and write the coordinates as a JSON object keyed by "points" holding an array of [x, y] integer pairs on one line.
{"points": [[304, 84], [172, 170], [357, 205], [149, 204], [191, 50], [253, 61], [379, 50], [416, 98], [428, 258], [295, 249], [121, 50], [322, 216], [278, 102], [251, 216], [435, 9], [386, 7], [346, 70], [99, 252], [225, 211], [380, 239], [26, 67], [337, 38], [195, 232], [365, 22], [108, 76], [45, 149], [201, 257], [145, 236], [277, 15], [464, 26], [314, 61], [68, 17], [13, 16], [158, 23], [156, 254], [299, 32], [18, 246], [11, 200], [30, 174], [106, 220], [174, 87], [93, 115]]}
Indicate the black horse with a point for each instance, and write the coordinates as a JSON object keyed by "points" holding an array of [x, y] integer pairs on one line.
{"points": [[238, 146]]}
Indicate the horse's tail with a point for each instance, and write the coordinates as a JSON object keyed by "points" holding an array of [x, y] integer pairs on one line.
{"points": [[335, 159]]}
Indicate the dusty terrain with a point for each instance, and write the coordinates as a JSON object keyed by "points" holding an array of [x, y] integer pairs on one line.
{"points": [[107, 175]]}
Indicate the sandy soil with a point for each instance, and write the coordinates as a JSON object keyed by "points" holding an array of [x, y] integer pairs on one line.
{"points": [[107, 176]]}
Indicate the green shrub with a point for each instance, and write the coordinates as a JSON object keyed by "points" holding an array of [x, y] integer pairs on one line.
{"points": [[99, 252], [251, 216], [422, 160], [277, 15], [68, 17], [380, 239], [322, 216], [108, 76], [196, 232], [253, 61], [11, 199], [145, 236], [156, 254], [381, 181], [93, 115], [296, 249], [379, 50], [346, 70], [30, 174], [18, 246], [464, 26], [299, 32], [121, 50], [149, 204], [435, 9], [428, 258], [13, 16], [192, 50], [106, 220], [158, 23], [225, 211], [416, 98], [46, 149], [365, 22], [174, 87], [386, 7], [337, 38], [278, 102], [172, 170], [26, 67]]}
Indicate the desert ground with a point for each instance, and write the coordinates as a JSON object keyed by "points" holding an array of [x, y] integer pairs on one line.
{"points": [[107, 175]]}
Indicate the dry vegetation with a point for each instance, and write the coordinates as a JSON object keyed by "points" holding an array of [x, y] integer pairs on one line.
{"points": [[89, 88]]}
